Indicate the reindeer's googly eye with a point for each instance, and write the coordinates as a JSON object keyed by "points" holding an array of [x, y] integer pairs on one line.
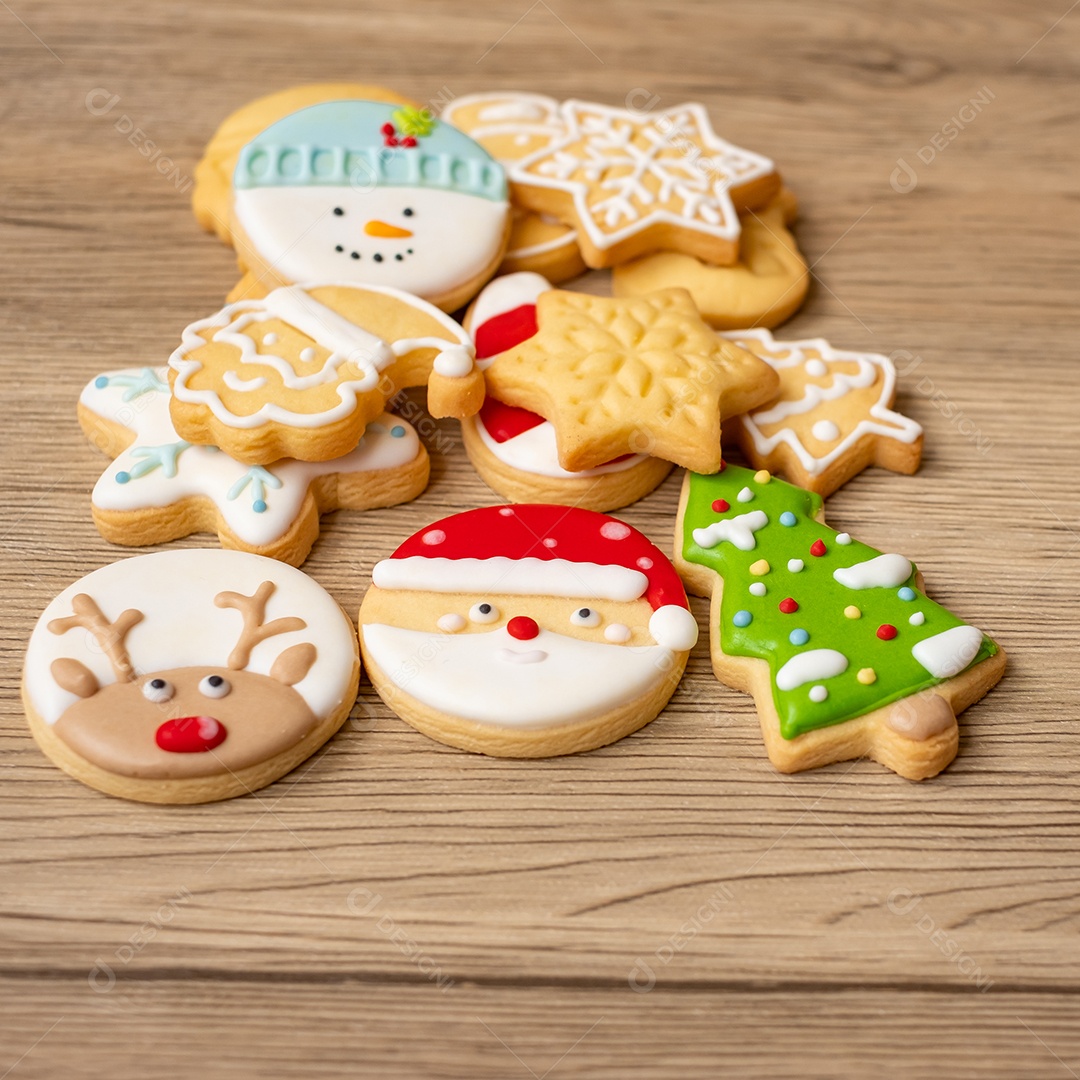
{"points": [[585, 616], [158, 690], [214, 686], [484, 613]]}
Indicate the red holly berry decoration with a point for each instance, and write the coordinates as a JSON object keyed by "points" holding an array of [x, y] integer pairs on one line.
{"points": [[886, 631], [789, 606], [408, 141], [388, 129], [818, 548], [720, 505]]}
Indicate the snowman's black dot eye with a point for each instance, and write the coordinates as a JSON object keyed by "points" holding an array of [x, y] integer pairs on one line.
{"points": [[338, 211], [408, 211]]}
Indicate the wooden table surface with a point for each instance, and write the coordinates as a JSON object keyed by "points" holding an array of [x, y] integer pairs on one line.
{"points": [[670, 905]]}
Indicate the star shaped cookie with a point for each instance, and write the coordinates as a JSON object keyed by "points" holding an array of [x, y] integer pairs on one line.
{"points": [[643, 375], [634, 182]]}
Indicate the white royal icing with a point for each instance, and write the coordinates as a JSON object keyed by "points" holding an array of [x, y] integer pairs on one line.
{"points": [[870, 367], [881, 572], [738, 530], [138, 399], [810, 666], [948, 653], [182, 627]]}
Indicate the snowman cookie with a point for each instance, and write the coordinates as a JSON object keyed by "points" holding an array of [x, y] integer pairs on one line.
{"points": [[514, 450], [302, 371], [511, 125], [161, 487], [526, 631], [845, 655], [188, 676], [368, 193]]}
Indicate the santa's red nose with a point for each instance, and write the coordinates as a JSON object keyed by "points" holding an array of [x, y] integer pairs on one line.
{"points": [[522, 627], [191, 734]]}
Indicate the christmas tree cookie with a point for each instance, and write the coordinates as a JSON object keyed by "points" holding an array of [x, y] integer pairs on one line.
{"points": [[844, 654]]}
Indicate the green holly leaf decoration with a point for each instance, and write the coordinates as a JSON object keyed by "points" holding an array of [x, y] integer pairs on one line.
{"points": [[414, 122]]}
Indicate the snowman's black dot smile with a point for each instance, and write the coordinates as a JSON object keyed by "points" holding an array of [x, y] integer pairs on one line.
{"points": [[377, 256]]}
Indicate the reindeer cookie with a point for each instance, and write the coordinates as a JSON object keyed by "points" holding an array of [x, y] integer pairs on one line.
{"points": [[300, 372], [526, 631], [188, 676], [844, 654]]}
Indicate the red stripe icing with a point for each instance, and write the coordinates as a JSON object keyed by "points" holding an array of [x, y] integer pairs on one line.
{"points": [[504, 331], [505, 422]]}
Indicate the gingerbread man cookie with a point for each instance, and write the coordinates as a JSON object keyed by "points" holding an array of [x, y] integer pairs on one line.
{"points": [[161, 487], [300, 372], [844, 654], [526, 631], [188, 676]]}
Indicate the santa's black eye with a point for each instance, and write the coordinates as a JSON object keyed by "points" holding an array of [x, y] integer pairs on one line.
{"points": [[585, 617], [338, 211], [408, 211], [484, 613]]}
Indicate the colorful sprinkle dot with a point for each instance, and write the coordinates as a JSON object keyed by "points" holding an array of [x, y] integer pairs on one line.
{"points": [[788, 606], [759, 568], [742, 618], [762, 476], [614, 530], [795, 565], [917, 619], [758, 589], [818, 548], [433, 537], [843, 538], [259, 506], [866, 676], [798, 637], [549, 541], [886, 631], [506, 511], [720, 505], [746, 495], [852, 612], [397, 431], [787, 518], [101, 382], [818, 693], [645, 562], [123, 477], [906, 594]]}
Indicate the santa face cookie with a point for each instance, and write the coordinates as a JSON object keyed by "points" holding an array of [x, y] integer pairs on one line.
{"points": [[526, 631], [301, 372], [512, 125], [844, 654], [188, 676], [832, 418], [515, 450], [632, 183], [369, 193], [160, 487]]}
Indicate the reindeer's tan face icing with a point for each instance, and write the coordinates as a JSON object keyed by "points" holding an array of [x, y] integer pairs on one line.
{"points": [[199, 722]]}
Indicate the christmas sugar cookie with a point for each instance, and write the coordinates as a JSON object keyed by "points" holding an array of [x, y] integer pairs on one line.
{"points": [[764, 288], [512, 125], [637, 375], [368, 193], [212, 196], [300, 372], [526, 631], [632, 183], [161, 487], [844, 654], [188, 676], [514, 450], [833, 416]]}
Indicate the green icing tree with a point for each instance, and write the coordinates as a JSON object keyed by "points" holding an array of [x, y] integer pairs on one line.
{"points": [[827, 663]]}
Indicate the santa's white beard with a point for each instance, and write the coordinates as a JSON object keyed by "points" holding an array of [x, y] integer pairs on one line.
{"points": [[493, 678]]}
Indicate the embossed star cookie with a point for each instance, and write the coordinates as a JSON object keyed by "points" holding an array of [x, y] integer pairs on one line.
{"points": [[300, 372], [526, 631], [368, 193], [832, 418], [764, 288], [514, 450], [188, 676], [637, 182], [845, 656], [511, 125], [160, 487], [637, 375]]}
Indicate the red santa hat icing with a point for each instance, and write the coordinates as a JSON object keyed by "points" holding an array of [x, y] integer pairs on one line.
{"points": [[544, 550]]}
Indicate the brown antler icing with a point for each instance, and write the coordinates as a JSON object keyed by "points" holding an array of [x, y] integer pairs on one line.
{"points": [[108, 635], [253, 609]]}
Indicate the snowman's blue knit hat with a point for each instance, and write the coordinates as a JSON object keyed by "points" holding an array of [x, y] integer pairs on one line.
{"points": [[365, 144]]}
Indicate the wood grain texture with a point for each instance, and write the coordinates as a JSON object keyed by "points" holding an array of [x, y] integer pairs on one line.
{"points": [[668, 905]]}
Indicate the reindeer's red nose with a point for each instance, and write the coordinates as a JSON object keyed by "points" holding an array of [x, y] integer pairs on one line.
{"points": [[191, 734], [522, 627]]}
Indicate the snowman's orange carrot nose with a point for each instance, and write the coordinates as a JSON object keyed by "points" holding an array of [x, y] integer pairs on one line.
{"points": [[381, 228]]}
